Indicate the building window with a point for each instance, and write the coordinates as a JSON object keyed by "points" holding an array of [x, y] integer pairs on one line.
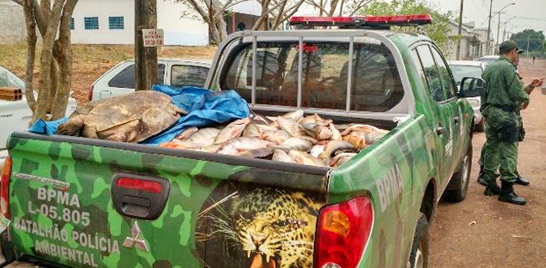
{"points": [[91, 23], [116, 23], [72, 24]]}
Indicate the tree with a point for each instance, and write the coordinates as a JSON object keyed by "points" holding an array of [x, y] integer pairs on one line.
{"points": [[213, 13], [437, 31], [529, 40], [55, 66], [343, 7]]}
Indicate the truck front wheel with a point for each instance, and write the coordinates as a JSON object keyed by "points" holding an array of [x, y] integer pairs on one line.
{"points": [[419, 249]]}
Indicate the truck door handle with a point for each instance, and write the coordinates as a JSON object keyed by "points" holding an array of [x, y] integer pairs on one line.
{"points": [[457, 119], [440, 130]]}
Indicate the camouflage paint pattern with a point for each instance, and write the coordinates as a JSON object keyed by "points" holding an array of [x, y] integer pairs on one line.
{"points": [[88, 170]]}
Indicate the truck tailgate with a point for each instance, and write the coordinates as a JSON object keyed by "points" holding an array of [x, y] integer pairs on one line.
{"points": [[94, 203]]}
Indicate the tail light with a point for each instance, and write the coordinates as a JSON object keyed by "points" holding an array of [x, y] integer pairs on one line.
{"points": [[343, 232], [90, 95], [4, 188], [139, 185]]}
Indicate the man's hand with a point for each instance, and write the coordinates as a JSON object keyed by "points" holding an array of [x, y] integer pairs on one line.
{"points": [[537, 82]]}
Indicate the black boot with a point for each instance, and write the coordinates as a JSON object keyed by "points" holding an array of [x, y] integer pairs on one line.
{"points": [[507, 194], [521, 181], [492, 188], [481, 177]]}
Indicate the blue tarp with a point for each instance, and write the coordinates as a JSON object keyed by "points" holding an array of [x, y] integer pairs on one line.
{"points": [[205, 108]]}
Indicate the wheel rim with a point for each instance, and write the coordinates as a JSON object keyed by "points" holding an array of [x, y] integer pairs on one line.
{"points": [[466, 169], [419, 262]]}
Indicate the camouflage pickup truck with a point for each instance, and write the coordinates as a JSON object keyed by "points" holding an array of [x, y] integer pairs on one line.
{"points": [[80, 202]]}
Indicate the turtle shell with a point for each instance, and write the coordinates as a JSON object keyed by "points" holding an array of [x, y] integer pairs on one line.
{"points": [[134, 116]]}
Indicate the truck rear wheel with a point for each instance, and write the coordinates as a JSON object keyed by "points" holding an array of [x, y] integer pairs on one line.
{"points": [[458, 186], [419, 249]]}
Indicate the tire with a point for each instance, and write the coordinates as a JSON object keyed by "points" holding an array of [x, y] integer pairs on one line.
{"points": [[480, 127], [419, 249], [458, 185]]}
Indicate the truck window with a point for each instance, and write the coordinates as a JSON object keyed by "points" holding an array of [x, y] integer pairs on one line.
{"points": [[375, 81], [448, 84], [432, 74], [126, 78]]}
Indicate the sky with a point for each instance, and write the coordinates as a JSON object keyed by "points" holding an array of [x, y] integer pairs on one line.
{"points": [[525, 14]]}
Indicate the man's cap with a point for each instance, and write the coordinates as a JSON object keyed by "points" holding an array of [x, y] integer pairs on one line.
{"points": [[507, 46]]}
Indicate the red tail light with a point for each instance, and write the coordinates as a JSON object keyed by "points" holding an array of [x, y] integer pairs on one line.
{"points": [[343, 232], [90, 95], [141, 185], [4, 188]]}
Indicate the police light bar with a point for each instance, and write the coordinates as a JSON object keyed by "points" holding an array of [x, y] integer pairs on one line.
{"points": [[367, 21]]}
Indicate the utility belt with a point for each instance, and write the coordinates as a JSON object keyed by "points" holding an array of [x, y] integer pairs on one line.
{"points": [[506, 108]]}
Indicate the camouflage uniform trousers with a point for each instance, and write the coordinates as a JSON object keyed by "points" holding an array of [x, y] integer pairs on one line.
{"points": [[521, 136], [499, 154]]}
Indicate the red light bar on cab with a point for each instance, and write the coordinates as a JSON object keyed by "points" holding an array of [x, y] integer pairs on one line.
{"points": [[368, 21]]}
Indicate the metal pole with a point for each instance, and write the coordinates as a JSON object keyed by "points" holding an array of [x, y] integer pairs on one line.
{"points": [[498, 30], [145, 57], [460, 30], [487, 49]]}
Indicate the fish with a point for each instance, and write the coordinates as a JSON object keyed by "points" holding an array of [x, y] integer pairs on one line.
{"points": [[297, 143], [318, 131], [341, 158], [256, 153], [317, 149], [294, 115], [357, 139], [281, 156], [186, 133], [240, 144], [362, 128], [291, 126], [202, 137], [305, 158], [251, 131], [334, 146], [232, 130], [336, 134], [276, 136]]}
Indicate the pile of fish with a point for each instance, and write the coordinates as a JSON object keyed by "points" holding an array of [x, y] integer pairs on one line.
{"points": [[292, 138]]}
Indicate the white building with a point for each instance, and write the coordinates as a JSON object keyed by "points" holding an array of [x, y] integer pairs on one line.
{"points": [[472, 42], [113, 22]]}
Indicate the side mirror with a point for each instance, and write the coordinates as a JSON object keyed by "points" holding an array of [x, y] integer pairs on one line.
{"points": [[471, 87]]}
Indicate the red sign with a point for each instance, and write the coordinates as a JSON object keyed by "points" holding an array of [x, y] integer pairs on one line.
{"points": [[152, 37]]}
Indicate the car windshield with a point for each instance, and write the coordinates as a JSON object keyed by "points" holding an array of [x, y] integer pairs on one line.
{"points": [[460, 71], [8, 79]]}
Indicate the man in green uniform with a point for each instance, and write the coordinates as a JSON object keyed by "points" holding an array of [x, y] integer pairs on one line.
{"points": [[502, 98], [520, 180]]}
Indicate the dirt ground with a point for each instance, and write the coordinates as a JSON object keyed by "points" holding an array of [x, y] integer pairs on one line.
{"points": [[483, 232], [480, 232]]}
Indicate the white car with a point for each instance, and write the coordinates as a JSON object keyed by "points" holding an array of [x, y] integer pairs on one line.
{"points": [[489, 58], [461, 69], [120, 79], [15, 115]]}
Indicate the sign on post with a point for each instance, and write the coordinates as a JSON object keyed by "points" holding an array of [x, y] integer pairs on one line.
{"points": [[152, 37]]}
